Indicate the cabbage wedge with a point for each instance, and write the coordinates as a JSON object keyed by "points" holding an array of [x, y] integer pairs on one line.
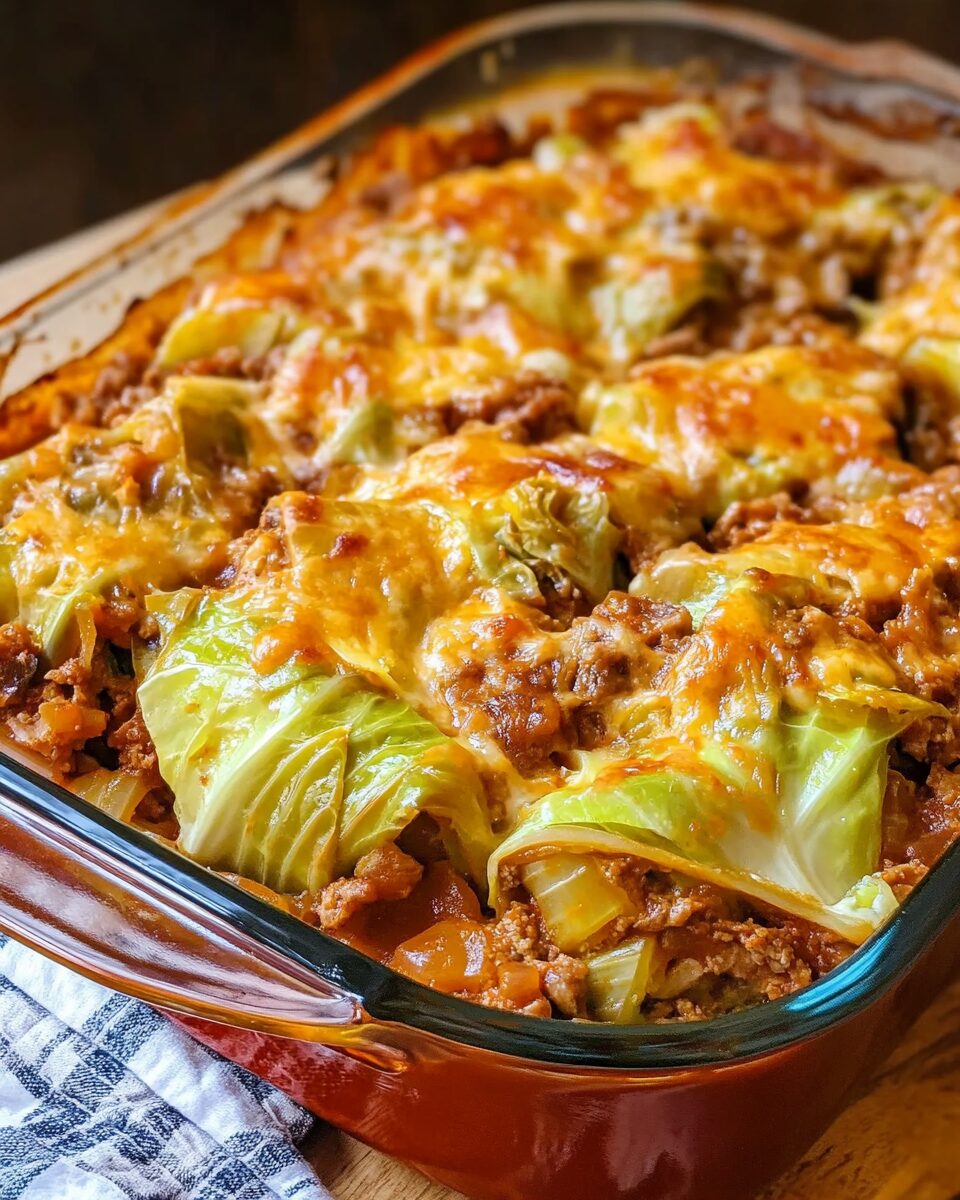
{"points": [[251, 320], [289, 775], [339, 555], [732, 428], [559, 510], [743, 777], [151, 503], [413, 561]]}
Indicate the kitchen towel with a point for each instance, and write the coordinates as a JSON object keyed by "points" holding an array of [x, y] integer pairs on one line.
{"points": [[101, 1098]]}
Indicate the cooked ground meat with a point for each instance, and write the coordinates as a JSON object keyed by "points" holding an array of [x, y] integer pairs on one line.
{"points": [[922, 821], [384, 874], [115, 392], [135, 749], [125, 371], [723, 965], [19, 661], [564, 983], [519, 937], [746, 520], [534, 690], [662, 901], [69, 706], [622, 643], [426, 291], [525, 409], [518, 702], [920, 637]]}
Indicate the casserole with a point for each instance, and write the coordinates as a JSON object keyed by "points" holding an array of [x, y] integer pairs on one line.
{"points": [[728, 1074]]}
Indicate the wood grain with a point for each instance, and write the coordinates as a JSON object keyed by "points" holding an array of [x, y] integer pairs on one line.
{"points": [[898, 1140]]}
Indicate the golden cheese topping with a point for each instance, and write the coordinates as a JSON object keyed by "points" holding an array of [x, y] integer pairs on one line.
{"points": [[738, 427], [578, 503]]}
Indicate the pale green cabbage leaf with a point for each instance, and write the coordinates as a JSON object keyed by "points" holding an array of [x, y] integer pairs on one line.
{"points": [[737, 779], [76, 527], [289, 777]]}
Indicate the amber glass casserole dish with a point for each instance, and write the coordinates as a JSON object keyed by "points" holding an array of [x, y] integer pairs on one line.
{"points": [[489, 1101]]}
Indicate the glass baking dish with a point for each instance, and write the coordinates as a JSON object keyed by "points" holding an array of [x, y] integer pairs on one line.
{"points": [[494, 1104]]}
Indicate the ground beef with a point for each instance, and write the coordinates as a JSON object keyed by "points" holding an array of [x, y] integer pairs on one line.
{"points": [[136, 752], [714, 955], [58, 729], [72, 705], [920, 637], [525, 409], [933, 739], [115, 391], [719, 966], [623, 643], [927, 823], [384, 874], [19, 662], [519, 937], [229, 362], [660, 900], [746, 520], [518, 703], [124, 371], [900, 803], [750, 326], [564, 983], [903, 877], [533, 690]]}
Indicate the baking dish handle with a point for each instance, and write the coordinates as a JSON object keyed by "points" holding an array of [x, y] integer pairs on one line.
{"points": [[89, 907]]}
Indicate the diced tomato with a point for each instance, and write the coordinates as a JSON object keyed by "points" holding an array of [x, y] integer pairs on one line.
{"points": [[452, 956], [518, 984], [63, 718], [440, 894]]}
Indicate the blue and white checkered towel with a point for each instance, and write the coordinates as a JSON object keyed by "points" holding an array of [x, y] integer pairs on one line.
{"points": [[103, 1099]]}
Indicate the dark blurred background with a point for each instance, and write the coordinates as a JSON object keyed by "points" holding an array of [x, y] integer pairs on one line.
{"points": [[105, 104]]}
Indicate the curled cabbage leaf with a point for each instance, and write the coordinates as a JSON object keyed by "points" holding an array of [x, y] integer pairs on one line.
{"points": [[739, 775], [551, 530], [434, 557], [251, 319], [561, 510], [735, 428], [647, 298], [150, 503], [289, 775], [807, 855], [867, 559]]}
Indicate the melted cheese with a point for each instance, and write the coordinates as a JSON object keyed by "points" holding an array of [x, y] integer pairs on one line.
{"points": [[488, 399], [741, 426]]}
